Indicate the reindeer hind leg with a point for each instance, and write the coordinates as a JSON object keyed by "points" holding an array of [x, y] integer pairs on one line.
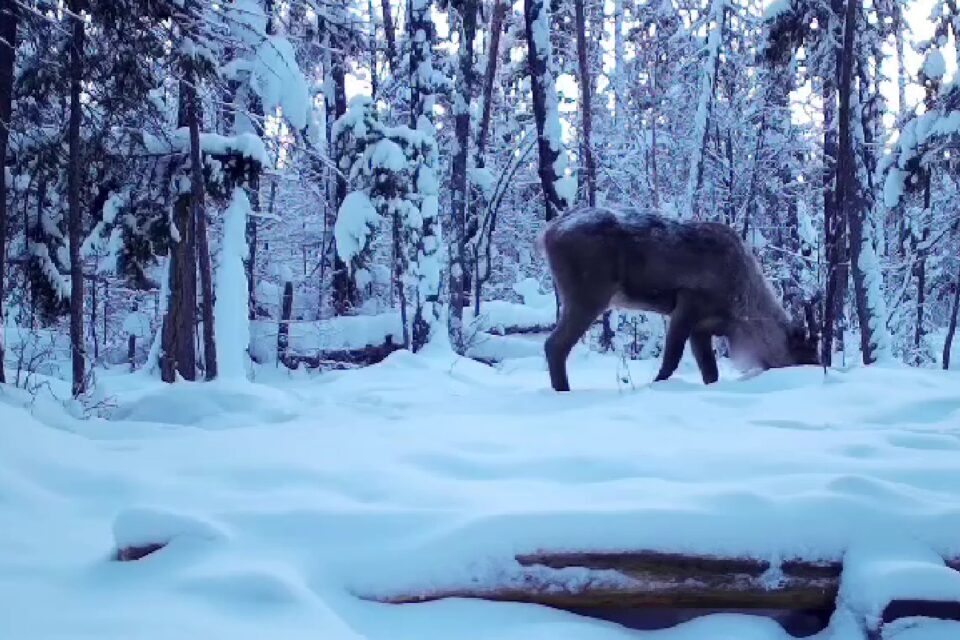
{"points": [[573, 323]]}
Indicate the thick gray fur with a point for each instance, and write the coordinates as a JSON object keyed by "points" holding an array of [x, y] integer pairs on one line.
{"points": [[698, 273]]}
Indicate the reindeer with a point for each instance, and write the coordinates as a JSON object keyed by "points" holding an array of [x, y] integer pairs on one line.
{"points": [[698, 273]]}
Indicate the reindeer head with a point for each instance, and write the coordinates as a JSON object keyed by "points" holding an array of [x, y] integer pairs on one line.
{"points": [[803, 337]]}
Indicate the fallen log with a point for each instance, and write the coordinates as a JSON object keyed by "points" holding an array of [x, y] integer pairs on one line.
{"points": [[655, 580], [342, 358]]}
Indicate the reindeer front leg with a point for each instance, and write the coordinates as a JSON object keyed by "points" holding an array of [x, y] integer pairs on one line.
{"points": [[702, 347], [681, 324]]}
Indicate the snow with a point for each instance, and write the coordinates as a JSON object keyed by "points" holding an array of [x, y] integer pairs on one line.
{"points": [[498, 315], [339, 333], [529, 290], [136, 323], [247, 21], [232, 298], [278, 81], [934, 65], [280, 502], [246, 145], [776, 8], [356, 221], [387, 154], [881, 570]]}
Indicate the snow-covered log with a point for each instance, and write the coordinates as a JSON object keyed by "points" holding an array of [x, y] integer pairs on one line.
{"points": [[657, 580]]}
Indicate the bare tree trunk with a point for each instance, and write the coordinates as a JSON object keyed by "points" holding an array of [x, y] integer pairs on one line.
{"points": [[74, 222], [391, 34], [850, 205], [920, 270], [901, 67], [460, 266], [178, 351], [283, 330], [199, 218], [251, 266], [537, 23], [831, 221], [952, 327], [398, 269], [586, 104], [489, 77], [9, 17], [93, 320], [372, 45]]}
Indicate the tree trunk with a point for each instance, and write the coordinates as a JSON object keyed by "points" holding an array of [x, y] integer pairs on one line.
{"points": [[132, 351], [850, 206], [251, 262], [74, 222], [920, 270], [372, 45], [831, 222], [9, 17], [199, 218], [708, 85], [283, 330], [489, 77], [618, 60], [460, 265], [586, 105], [952, 326], [423, 243], [178, 351], [536, 15], [344, 288], [391, 34]]}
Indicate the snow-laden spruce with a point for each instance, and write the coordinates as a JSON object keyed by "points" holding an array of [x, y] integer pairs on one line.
{"points": [[357, 220]]}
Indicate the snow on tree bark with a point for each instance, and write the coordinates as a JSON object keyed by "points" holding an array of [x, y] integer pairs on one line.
{"points": [[231, 317], [460, 265], [344, 287], [559, 189], [858, 143], [849, 202], [421, 214]]}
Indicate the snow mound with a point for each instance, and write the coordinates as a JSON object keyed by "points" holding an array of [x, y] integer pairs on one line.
{"points": [[140, 526], [879, 571], [217, 405]]}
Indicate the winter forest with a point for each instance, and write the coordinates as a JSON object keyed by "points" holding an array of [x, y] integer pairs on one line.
{"points": [[280, 345], [187, 184]]}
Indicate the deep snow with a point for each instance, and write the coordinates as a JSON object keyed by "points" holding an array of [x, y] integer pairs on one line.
{"points": [[284, 498]]}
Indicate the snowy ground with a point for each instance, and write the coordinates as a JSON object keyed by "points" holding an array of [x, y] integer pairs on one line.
{"points": [[284, 498]]}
